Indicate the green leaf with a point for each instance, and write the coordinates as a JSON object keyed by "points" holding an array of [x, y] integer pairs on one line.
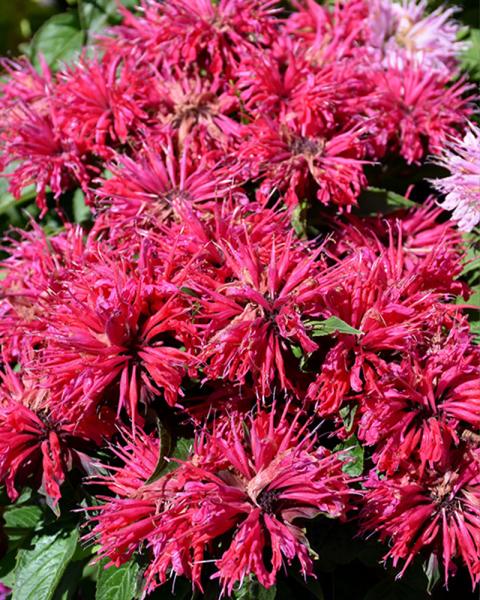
{"points": [[7, 201], [20, 521], [432, 572], [117, 583], [189, 292], [39, 569], [96, 15], [22, 517], [348, 416], [330, 326], [81, 211], [252, 590], [296, 351], [471, 58], [379, 201], [70, 582], [165, 449], [58, 40], [299, 218], [181, 452], [353, 453]]}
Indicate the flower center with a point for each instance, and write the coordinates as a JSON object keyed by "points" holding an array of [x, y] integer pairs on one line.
{"points": [[267, 500], [443, 494], [305, 146]]}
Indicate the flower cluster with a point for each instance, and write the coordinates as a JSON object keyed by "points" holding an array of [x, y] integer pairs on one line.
{"points": [[228, 285]]}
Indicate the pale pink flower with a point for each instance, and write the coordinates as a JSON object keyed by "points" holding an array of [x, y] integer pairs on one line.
{"points": [[462, 186], [404, 31]]}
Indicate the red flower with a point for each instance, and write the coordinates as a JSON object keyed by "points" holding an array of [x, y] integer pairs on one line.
{"points": [[154, 182], [36, 266], [421, 109], [197, 108], [437, 516], [255, 317], [101, 101], [299, 162], [33, 144], [392, 307], [418, 409], [253, 479], [38, 445], [117, 332]]}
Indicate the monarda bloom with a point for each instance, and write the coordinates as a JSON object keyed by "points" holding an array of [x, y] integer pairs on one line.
{"points": [[417, 409], [421, 109], [436, 516], [24, 83], [36, 265], [391, 307], [253, 320], [462, 186], [102, 101], [37, 152], [299, 163], [403, 32], [197, 108], [208, 35], [38, 445], [116, 335], [159, 181], [247, 483]]}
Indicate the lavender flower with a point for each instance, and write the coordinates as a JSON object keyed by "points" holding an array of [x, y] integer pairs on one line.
{"points": [[462, 187], [404, 32]]}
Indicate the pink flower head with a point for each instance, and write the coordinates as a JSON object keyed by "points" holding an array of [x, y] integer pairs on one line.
{"points": [[116, 335], [36, 265], [290, 159], [418, 408], [198, 108], [390, 305], [421, 109], [432, 250], [249, 480], [403, 32], [462, 186], [154, 182], [102, 101], [25, 83], [437, 516], [37, 444], [33, 143], [255, 317], [198, 32], [131, 517]]}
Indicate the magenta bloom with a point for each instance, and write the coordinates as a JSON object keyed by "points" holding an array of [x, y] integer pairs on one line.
{"points": [[255, 317], [119, 333], [417, 410], [198, 108], [421, 109], [437, 516], [372, 291], [250, 482], [194, 32], [155, 183], [37, 444], [102, 101], [45, 155], [299, 163]]}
